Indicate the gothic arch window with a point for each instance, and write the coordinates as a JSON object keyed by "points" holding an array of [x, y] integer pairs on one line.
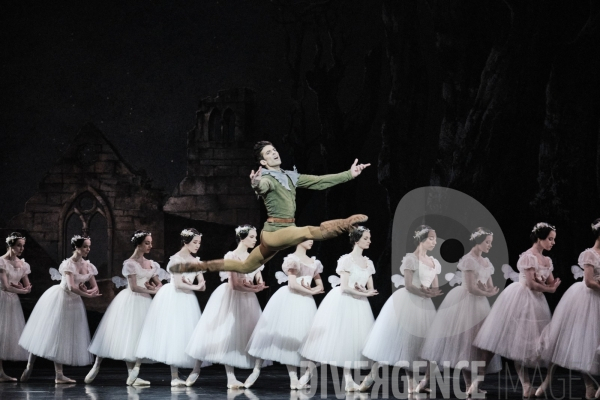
{"points": [[88, 216], [215, 133], [229, 125]]}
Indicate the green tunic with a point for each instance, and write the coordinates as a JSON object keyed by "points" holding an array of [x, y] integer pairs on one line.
{"points": [[281, 202]]}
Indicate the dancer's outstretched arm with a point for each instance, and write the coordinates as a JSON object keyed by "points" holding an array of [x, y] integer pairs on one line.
{"points": [[320, 182]]}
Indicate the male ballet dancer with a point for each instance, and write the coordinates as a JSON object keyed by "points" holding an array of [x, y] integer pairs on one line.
{"points": [[277, 187]]}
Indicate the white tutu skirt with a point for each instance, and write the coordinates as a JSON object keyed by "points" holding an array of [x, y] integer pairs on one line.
{"points": [[225, 328], [573, 335], [282, 327], [168, 327], [58, 328], [339, 331], [400, 330], [12, 323], [456, 324], [119, 331], [514, 326]]}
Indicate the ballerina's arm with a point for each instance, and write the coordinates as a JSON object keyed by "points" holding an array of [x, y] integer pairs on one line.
{"points": [[294, 285], [77, 290], [138, 289], [472, 287], [9, 288], [319, 288], [422, 291], [345, 277], [532, 283], [157, 283], [237, 283], [180, 283], [589, 279]]}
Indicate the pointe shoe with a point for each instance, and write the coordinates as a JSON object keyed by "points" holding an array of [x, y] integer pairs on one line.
{"points": [[366, 383], [26, 375], [422, 387], [235, 385], [597, 395], [140, 382], [474, 390], [89, 378], [6, 378], [191, 379], [336, 227], [351, 386], [302, 382], [252, 378], [590, 392], [541, 391], [63, 379], [177, 382], [528, 392], [133, 376]]}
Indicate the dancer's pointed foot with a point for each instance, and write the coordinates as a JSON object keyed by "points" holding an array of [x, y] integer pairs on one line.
{"points": [[234, 384], [191, 379], [336, 227], [177, 382], [422, 387], [541, 391], [6, 378], [135, 371], [597, 395], [26, 374], [252, 378], [366, 383], [528, 391], [474, 391], [351, 386], [590, 392], [60, 378], [140, 382], [89, 378]]}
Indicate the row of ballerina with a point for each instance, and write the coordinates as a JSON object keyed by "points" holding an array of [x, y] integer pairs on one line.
{"points": [[342, 332]]}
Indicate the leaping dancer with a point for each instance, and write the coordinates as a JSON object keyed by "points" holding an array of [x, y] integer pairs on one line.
{"points": [[277, 187]]}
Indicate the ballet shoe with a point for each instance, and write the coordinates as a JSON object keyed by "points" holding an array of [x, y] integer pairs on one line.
{"points": [[541, 391], [590, 392], [422, 387], [140, 382], [597, 395], [177, 382], [528, 392], [26, 375], [135, 371], [191, 379], [366, 383], [6, 378], [304, 380], [252, 378], [474, 390], [336, 227], [351, 386], [63, 379], [89, 378], [235, 385]]}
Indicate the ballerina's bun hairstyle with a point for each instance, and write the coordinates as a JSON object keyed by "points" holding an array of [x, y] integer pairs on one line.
{"points": [[242, 231], [77, 241], [258, 147], [540, 231], [138, 237], [478, 235], [596, 228], [357, 233], [421, 234], [187, 235], [13, 238]]}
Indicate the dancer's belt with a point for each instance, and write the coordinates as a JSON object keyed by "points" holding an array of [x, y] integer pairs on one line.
{"points": [[281, 220]]}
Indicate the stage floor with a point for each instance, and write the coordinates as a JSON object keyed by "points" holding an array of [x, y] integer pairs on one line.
{"points": [[272, 384]]}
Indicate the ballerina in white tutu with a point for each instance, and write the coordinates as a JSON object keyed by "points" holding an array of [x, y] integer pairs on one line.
{"points": [[172, 317], [399, 333], [230, 317], [58, 328], [344, 319], [461, 314], [514, 326], [13, 282], [571, 338], [289, 314], [119, 331]]}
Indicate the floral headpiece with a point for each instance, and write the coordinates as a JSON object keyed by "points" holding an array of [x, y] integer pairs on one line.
{"points": [[541, 225], [13, 237], [75, 238], [243, 229], [480, 232], [596, 227], [188, 233], [420, 233], [359, 228], [139, 235]]}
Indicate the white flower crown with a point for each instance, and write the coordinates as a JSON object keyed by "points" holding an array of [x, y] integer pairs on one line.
{"points": [[419, 233], [187, 232], [596, 227], [10, 238], [541, 225], [359, 228], [241, 229], [75, 238], [480, 232], [139, 235]]}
